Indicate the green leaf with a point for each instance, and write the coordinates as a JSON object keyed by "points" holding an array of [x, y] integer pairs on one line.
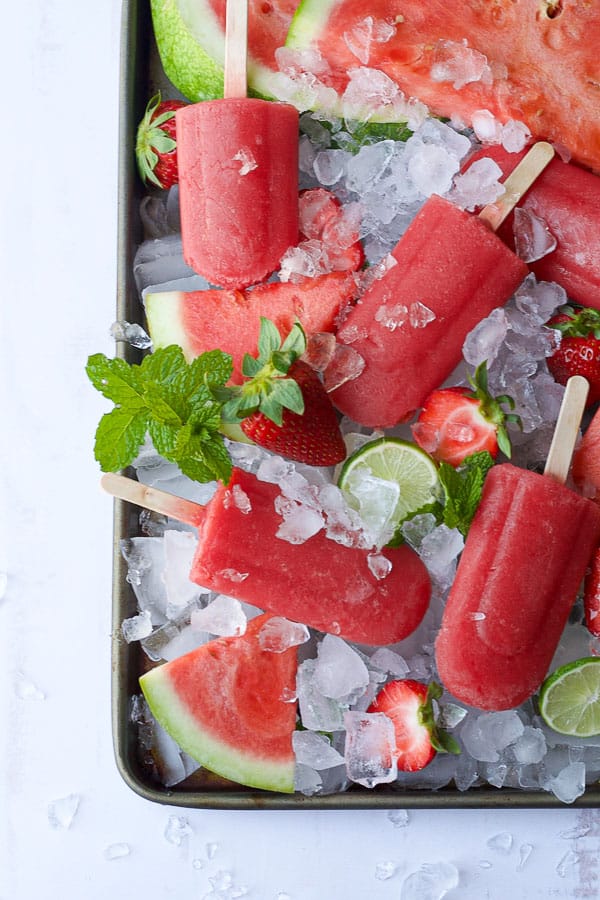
{"points": [[462, 488], [164, 365], [212, 368], [250, 366], [269, 339], [163, 437], [119, 436], [193, 453], [272, 409], [166, 404], [116, 380], [295, 342], [287, 392]]}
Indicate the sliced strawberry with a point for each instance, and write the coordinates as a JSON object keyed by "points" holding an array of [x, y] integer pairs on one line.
{"points": [[284, 406], [579, 350], [458, 421], [409, 705], [322, 218], [591, 596], [156, 144]]}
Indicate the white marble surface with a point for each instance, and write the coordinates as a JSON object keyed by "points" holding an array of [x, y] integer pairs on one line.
{"points": [[57, 245]]}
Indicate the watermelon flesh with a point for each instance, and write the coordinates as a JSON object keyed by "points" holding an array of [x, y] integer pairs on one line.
{"points": [[586, 461], [225, 704], [531, 61], [230, 320]]}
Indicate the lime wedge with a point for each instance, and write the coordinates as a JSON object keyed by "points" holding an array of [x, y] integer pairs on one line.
{"points": [[406, 473], [570, 698]]}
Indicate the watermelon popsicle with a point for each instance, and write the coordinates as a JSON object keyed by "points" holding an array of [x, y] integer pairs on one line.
{"points": [[566, 198], [449, 271], [238, 175], [321, 583], [524, 560]]}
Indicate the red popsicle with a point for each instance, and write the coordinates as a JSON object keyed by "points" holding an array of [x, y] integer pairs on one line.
{"points": [[238, 175], [524, 560], [321, 583], [567, 198], [450, 271]]}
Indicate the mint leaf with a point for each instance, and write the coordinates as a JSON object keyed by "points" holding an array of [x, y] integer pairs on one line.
{"points": [[171, 400], [462, 488], [116, 380], [119, 436]]}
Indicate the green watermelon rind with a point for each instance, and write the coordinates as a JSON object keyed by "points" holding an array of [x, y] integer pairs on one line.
{"points": [[192, 55], [215, 755], [165, 325]]}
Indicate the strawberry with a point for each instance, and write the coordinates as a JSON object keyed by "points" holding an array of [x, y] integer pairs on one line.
{"points": [[458, 421], [579, 350], [284, 406], [591, 596], [156, 144], [409, 704], [322, 219]]}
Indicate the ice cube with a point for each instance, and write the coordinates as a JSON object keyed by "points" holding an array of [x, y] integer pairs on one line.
{"points": [[330, 166], [340, 672], [246, 159], [315, 750], [130, 333], [320, 348], [514, 136], [391, 316], [530, 747], [307, 781], [484, 341], [459, 64], [431, 882], [439, 551], [366, 32], [478, 186], [179, 550], [318, 713], [159, 261], [487, 735], [368, 166], [533, 238], [186, 640], [279, 634], [177, 830], [568, 784], [370, 748], [419, 315], [61, 812], [388, 661], [137, 627], [432, 169], [486, 127], [116, 851], [145, 557], [377, 501], [223, 616]]}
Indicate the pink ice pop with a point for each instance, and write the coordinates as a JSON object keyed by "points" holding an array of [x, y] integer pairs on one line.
{"points": [[524, 560], [324, 584], [450, 270], [238, 175]]}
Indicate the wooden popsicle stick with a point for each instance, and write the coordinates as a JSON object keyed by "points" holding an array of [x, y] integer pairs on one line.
{"points": [[567, 427], [236, 48], [518, 183], [152, 498]]}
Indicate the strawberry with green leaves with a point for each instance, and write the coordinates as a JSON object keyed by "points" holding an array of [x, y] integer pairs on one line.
{"points": [[456, 422], [156, 143], [283, 406], [409, 704], [579, 350]]}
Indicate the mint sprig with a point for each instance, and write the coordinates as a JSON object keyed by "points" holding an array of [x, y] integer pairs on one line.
{"points": [[176, 403], [461, 488]]}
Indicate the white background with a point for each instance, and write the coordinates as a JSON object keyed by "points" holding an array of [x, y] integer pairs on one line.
{"points": [[58, 154]]}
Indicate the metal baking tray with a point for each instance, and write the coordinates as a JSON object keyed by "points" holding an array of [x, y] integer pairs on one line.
{"points": [[140, 76]]}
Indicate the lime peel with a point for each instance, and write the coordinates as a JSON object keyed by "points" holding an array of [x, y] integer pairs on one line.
{"points": [[569, 698]]}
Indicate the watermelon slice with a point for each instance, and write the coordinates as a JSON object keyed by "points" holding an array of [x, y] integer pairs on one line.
{"points": [[586, 461], [224, 704], [230, 320], [190, 36], [535, 61]]}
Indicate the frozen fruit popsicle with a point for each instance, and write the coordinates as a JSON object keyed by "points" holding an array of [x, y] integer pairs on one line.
{"points": [[321, 583], [450, 270], [524, 560], [566, 198], [238, 175]]}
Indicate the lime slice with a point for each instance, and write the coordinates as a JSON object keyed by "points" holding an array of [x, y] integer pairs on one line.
{"points": [[409, 478], [570, 698]]}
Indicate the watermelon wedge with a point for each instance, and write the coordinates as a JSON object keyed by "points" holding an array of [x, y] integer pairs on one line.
{"points": [[230, 320], [190, 36], [224, 704], [586, 461], [535, 61]]}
